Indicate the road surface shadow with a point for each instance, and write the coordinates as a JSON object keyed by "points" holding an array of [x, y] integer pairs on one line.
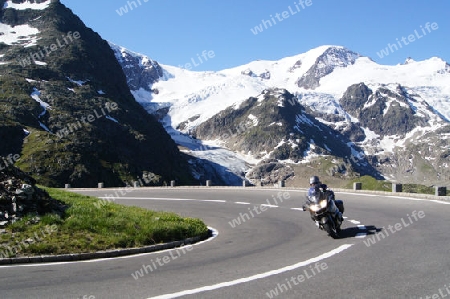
{"points": [[352, 232]]}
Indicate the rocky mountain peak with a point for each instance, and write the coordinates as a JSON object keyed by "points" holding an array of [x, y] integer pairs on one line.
{"points": [[387, 111], [141, 72], [408, 61], [332, 58]]}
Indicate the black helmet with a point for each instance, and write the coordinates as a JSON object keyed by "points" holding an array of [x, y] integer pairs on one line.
{"points": [[314, 180]]}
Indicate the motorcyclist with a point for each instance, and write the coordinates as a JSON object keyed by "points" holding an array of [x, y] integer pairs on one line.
{"points": [[317, 186], [328, 192]]}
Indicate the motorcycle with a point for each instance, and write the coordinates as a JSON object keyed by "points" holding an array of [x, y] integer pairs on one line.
{"points": [[325, 211]]}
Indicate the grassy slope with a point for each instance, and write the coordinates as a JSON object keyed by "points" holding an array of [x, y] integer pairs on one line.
{"points": [[90, 225]]}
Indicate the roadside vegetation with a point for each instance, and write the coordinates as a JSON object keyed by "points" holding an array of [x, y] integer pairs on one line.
{"points": [[370, 183], [87, 226]]}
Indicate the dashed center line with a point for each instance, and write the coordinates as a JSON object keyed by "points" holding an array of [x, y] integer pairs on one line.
{"points": [[354, 222], [213, 200], [297, 209], [360, 235], [270, 206]]}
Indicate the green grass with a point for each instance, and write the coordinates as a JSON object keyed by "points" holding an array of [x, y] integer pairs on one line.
{"points": [[415, 188], [370, 183], [91, 225]]}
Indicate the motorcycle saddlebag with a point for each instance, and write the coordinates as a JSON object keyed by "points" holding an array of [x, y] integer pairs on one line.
{"points": [[340, 205]]}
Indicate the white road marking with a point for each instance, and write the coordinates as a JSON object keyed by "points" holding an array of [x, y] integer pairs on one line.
{"points": [[361, 235], [298, 209], [354, 222], [409, 198], [270, 206], [213, 200], [242, 203], [423, 199], [441, 202], [368, 195], [360, 226], [257, 276], [152, 198], [164, 199]]}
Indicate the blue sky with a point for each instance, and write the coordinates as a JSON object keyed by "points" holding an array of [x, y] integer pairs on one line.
{"points": [[174, 31]]}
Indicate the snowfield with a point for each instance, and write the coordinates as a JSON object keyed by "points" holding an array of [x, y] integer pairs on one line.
{"points": [[194, 97]]}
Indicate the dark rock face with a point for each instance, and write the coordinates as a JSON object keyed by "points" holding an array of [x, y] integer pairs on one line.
{"points": [[270, 172], [354, 99], [266, 75], [140, 72], [354, 133], [384, 112], [325, 64], [392, 111], [19, 197], [423, 161]]}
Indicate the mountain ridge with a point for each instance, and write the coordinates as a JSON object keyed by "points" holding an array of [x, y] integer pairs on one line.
{"points": [[405, 99]]}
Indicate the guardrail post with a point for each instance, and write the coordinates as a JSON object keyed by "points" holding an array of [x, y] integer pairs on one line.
{"points": [[136, 184], [397, 188], [67, 186], [172, 183], [440, 191], [357, 186], [208, 183], [101, 185]]}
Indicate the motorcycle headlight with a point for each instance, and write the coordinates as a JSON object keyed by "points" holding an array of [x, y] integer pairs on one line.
{"points": [[322, 204], [314, 208]]}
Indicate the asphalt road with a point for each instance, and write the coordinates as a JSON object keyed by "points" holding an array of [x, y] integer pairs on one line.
{"points": [[277, 252]]}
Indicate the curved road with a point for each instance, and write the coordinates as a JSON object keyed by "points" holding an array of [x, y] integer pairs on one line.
{"points": [[392, 248]]}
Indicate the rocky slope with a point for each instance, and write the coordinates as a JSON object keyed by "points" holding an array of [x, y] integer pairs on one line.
{"points": [[65, 106], [19, 197]]}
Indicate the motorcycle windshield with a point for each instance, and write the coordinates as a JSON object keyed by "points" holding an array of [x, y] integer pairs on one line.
{"points": [[313, 196]]}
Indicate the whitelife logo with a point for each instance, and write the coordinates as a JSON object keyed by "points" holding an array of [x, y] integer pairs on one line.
{"points": [[405, 41], [64, 132], [8, 161], [37, 56], [160, 262], [394, 228], [266, 24], [243, 217], [197, 62], [131, 5], [296, 280]]}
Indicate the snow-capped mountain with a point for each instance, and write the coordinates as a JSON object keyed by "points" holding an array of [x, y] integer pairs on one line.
{"points": [[384, 110]]}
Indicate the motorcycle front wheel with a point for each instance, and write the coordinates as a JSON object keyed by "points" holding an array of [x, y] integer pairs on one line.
{"points": [[331, 232]]}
